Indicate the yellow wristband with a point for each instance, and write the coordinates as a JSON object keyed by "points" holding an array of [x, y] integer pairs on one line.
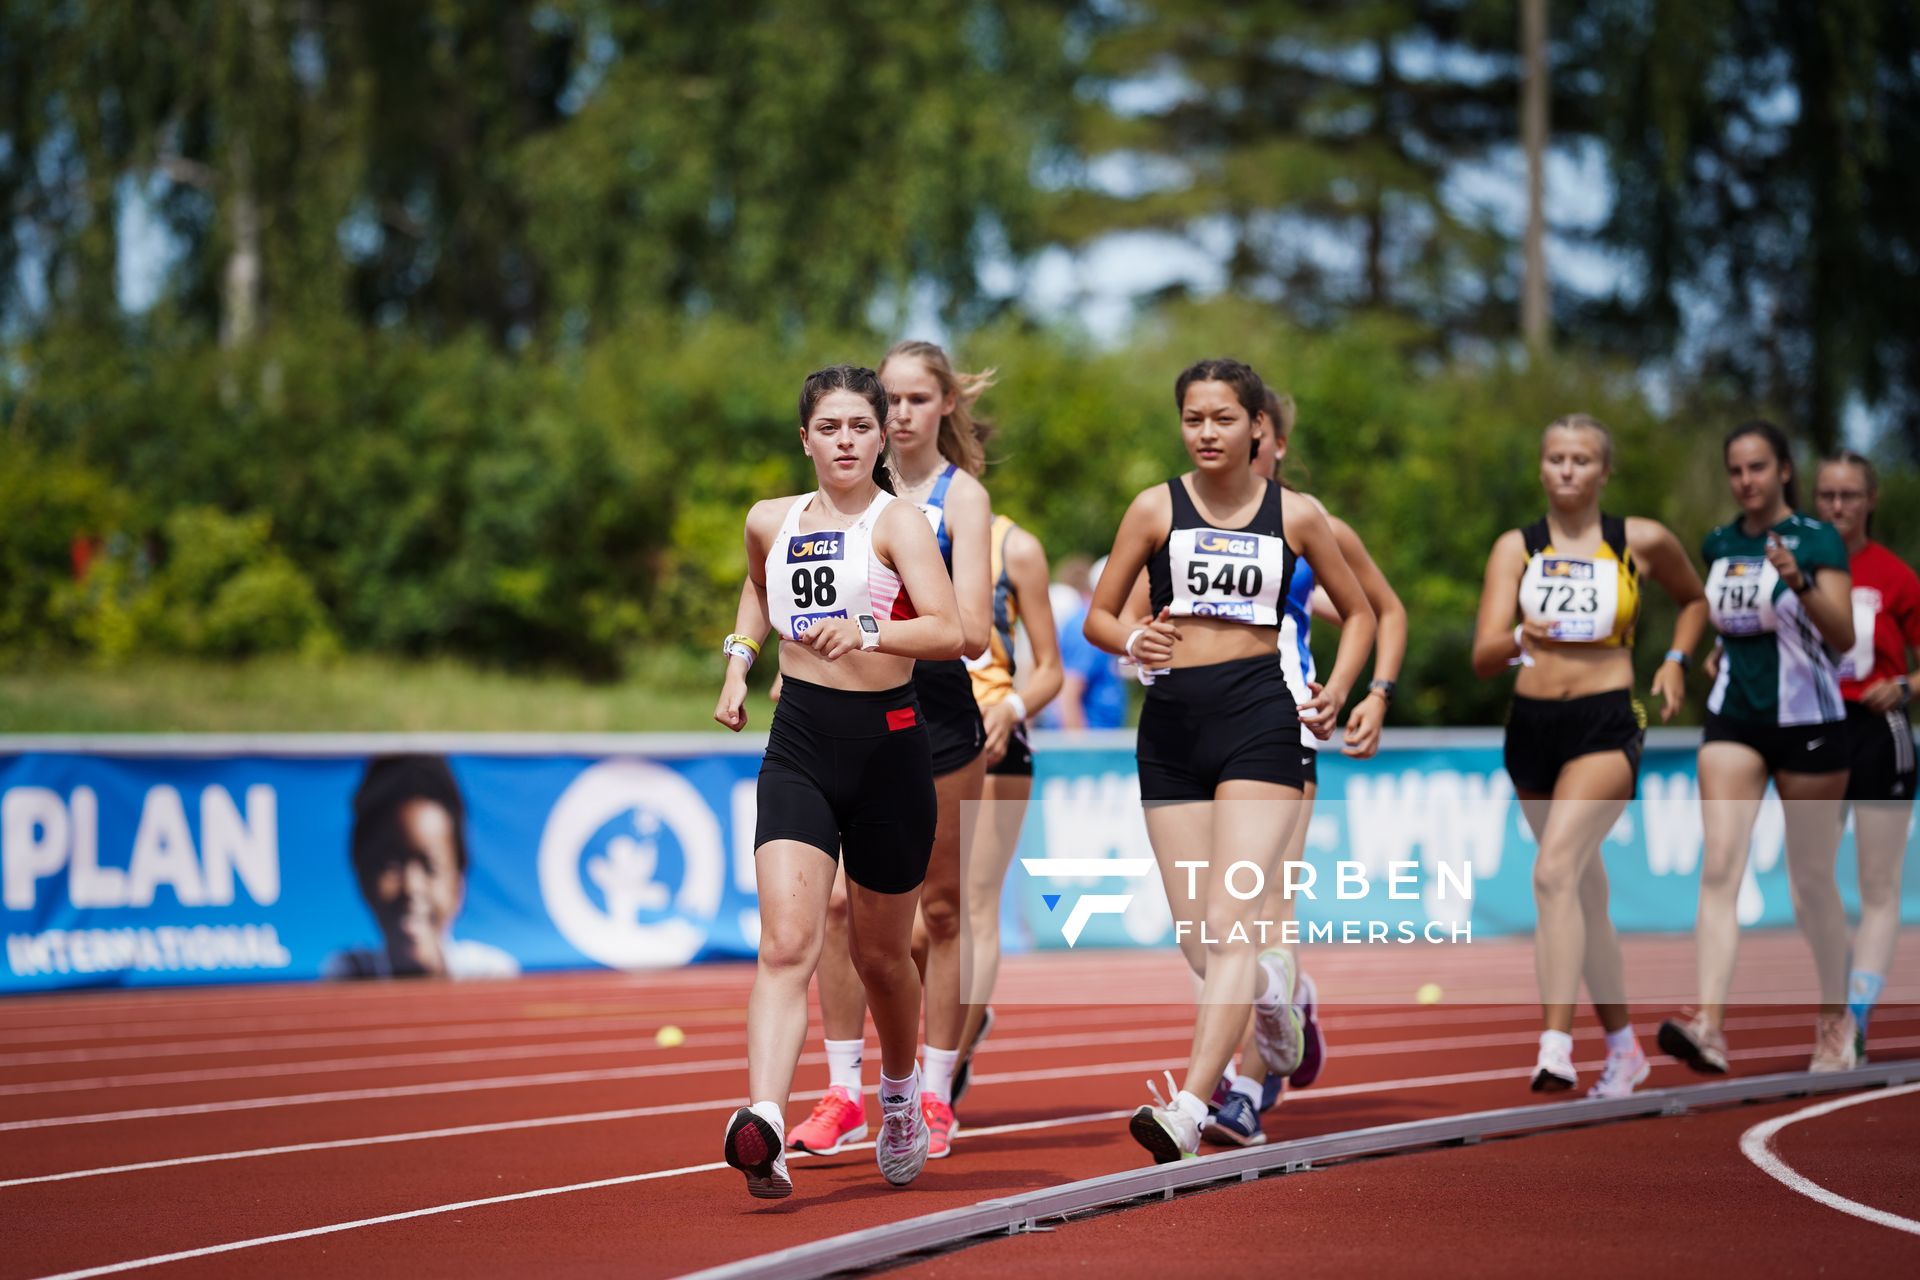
{"points": [[736, 638]]}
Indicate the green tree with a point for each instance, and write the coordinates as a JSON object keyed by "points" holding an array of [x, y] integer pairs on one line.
{"points": [[1765, 196], [1319, 136]]}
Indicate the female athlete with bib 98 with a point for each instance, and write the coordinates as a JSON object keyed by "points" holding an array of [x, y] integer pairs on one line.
{"points": [[1780, 595], [1220, 723], [1575, 731], [935, 451], [850, 579]]}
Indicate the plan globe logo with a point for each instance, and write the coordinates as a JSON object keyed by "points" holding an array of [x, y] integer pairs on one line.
{"points": [[632, 869]]}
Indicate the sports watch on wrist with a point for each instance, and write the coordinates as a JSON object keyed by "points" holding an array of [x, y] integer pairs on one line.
{"points": [[869, 631], [1384, 688]]}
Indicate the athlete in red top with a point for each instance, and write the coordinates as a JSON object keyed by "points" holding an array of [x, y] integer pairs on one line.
{"points": [[1873, 680]]}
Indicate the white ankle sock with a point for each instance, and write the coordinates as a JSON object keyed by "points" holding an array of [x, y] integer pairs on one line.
{"points": [[1621, 1041], [1247, 1087], [938, 1072], [1272, 993], [843, 1065], [906, 1091], [1557, 1040], [1195, 1109]]}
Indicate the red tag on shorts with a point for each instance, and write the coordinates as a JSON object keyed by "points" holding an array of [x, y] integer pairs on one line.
{"points": [[901, 719]]}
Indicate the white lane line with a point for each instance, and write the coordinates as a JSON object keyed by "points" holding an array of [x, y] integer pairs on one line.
{"points": [[733, 1022], [731, 1030], [596, 1075], [561, 1049], [1757, 1145], [332, 1228], [1059, 1122], [647, 1045], [727, 1104]]}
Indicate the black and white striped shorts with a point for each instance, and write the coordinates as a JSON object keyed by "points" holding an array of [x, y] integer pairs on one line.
{"points": [[1882, 749]]}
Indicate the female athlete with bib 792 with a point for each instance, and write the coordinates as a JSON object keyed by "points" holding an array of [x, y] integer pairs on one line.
{"points": [[1575, 731], [1780, 594], [851, 581], [1220, 724]]}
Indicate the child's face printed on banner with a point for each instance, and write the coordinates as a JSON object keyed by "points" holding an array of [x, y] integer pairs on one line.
{"points": [[417, 886]]}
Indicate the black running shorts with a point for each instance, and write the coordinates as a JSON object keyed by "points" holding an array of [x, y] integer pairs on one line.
{"points": [[1018, 762], [953, 717], [1882, 749], [1544, 735], [1786, 748], [1226, 721], [851, 774]]}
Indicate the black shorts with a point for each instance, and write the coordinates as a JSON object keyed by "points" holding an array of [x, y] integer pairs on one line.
{"points": [[1202, 726], [1786, 748], [1882, 750], [1018, 762], [1544, 735], [953, 717], [851, 774], [1309, 764]]}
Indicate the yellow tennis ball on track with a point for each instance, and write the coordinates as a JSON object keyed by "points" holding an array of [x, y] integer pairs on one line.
{"points": [[1429, 993], [669, 1037]]}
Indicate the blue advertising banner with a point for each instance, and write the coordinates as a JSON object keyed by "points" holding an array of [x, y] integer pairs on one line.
{"points": [[162, 869], [1432, 812], [160, 862]]}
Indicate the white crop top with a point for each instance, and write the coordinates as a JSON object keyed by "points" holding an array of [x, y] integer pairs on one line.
{"points": [[830, 573]]}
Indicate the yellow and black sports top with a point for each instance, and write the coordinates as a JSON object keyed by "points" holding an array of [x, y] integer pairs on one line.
{"points": [[1583, 599], [992, 671]]}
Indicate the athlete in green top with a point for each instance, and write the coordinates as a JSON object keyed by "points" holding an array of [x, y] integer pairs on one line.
{"points": [[1779, 590], [1777, 670]]}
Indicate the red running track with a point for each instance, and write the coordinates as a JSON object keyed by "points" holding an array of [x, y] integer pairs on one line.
{"points": [[423, 1129]]}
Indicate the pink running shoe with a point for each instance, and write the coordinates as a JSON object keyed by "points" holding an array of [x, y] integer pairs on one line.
{"points": [[942, 1128], [837, 1119]]}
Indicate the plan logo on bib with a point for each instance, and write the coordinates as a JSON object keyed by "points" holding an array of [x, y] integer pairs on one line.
{"points": [[632, 868]]}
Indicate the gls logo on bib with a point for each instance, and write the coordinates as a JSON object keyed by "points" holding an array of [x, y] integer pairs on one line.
{"points": [[1212, 542], [631, 865], [816, 546]]}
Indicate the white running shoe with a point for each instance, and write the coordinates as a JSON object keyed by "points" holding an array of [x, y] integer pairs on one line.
{"points": [[1279, 1032], [1166, 1131], [901, 1149], [1623, 1073], [1553, 1071], [1833, 1044], [754, 1147]]}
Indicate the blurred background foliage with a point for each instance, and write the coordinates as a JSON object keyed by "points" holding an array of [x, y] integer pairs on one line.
{"points": [[401, 334]]}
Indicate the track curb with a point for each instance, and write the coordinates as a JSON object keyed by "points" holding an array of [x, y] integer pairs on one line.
{"points": [[1014, 1215]]}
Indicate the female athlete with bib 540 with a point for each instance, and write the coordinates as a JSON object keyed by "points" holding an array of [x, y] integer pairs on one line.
{"points": [[1220, 724], [1781, 597], [850, 580], [1575, 731]]}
